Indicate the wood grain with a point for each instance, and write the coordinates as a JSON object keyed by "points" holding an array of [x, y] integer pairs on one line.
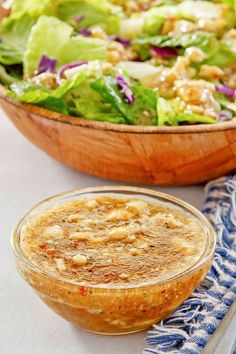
{"points": [[136, 154]]}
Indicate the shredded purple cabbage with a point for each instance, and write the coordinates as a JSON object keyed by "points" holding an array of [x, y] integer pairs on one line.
{"points": [[227, 91], [70, 66], [79, 18], [124, 41], [125, 89], [46, 64], [164, 52], [225, 115], [85, 32]]}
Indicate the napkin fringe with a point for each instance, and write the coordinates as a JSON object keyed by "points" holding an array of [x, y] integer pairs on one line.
{"points": [[190, 327]]}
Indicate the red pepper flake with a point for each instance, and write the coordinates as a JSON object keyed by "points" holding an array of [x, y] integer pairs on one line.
{"points": [[42, 247], [75, 244], [83, 291], [50, 253]]}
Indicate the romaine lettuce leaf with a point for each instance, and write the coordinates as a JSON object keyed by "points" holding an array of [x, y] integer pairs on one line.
{"points": [[131, 27], [203, 40], [15, 29], [224, 56], [103, 5], [168, 115], [28, 92], [147, 23], [22, 87], [195, 11], [165, 112], [68, 10], [151, 21], [107, 88], [142, 112], [81, 48], [74, 97], [37, 95], [13, 40], [93, 12], [48, 36], [30, 8], [33, 7], [69, 85], [53, 38], [218, 52], [79, 104], [78, 96]]}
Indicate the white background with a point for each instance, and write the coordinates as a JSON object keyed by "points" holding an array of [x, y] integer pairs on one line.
{"points": [[27, 176]]}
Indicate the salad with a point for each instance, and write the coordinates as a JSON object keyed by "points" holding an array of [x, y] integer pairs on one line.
{"points": [[144, 62]]}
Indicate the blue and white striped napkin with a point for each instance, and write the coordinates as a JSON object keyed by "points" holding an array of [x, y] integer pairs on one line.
{"points": [[190, 327]]}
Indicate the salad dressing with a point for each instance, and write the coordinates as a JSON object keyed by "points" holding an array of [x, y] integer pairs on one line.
{"points": [[113, 260], [110, 240]]}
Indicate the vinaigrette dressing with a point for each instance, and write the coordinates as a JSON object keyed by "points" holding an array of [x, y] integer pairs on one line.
{"points": [[111, 240], [113, 260]]}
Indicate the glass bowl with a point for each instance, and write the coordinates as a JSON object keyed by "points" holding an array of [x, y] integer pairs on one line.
{"points": [[114, 309]]}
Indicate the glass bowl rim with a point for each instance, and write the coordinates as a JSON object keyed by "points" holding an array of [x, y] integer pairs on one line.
{"points": [[207, 254]]}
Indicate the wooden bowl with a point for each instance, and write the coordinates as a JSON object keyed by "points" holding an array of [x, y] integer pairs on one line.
{"points": [[137, 154]]}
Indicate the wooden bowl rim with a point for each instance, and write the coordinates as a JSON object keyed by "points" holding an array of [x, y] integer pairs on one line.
{"points": [[119, 128]]}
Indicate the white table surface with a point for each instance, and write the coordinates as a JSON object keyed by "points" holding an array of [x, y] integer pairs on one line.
{"points": [[27, 175]]}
